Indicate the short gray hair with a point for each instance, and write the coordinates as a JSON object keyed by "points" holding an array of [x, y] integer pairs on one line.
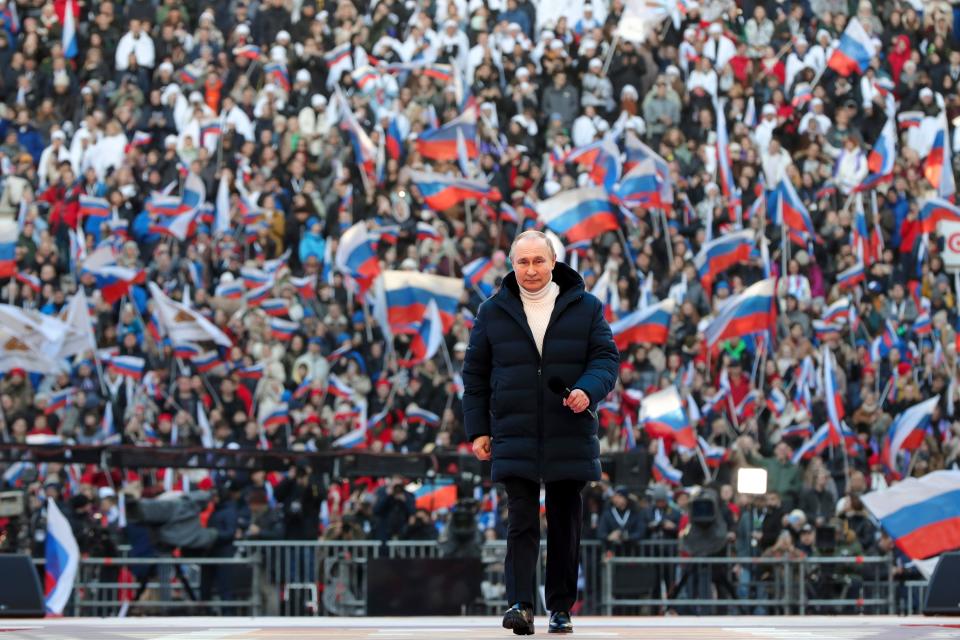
{"points": [[533, 233]]}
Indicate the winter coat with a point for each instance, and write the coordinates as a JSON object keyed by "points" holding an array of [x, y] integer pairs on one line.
{"points": [[506, 394]]}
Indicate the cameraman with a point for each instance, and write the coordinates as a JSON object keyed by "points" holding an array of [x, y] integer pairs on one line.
{"points": [[301, 498], [230, 519], [420, 527], [662, 518], [393, 508]]}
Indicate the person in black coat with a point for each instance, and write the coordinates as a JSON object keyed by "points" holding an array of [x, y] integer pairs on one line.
{"points": [[621, 523], [540, 326]]}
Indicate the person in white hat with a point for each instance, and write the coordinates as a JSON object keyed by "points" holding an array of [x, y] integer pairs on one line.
{"points": [[768, 122], [52, 156], [137, 43], [815, 114], [718, 47], [597, 88]]}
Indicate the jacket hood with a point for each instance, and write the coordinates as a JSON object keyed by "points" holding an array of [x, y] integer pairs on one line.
{"points": [[566, 278]]}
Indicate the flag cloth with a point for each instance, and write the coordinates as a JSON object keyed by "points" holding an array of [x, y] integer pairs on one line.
{"points": [[922, 515], [662, 416], [854, 51], [580, 214], [183, 324], [62, 559]]}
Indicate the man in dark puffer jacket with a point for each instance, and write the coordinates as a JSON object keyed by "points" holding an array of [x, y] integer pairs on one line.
{"points": [[540, 325]]}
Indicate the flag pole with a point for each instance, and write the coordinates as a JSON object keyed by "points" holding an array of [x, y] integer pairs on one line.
{"points": [[707, 476]]}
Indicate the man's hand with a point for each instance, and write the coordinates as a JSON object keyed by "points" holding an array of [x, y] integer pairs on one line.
{"points": [[481, 448], [577, 401]]}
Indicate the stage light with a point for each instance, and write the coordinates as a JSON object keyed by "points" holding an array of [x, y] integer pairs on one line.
{"points": [[752, 481]]}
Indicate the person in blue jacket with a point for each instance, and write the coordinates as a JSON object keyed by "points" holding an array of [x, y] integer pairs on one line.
{"points": [[540, 331]]}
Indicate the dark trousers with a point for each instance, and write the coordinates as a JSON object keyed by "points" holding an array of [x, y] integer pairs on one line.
{"points": [[564, 522]]}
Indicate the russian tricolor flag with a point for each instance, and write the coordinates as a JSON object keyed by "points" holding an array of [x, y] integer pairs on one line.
{"points": [[724, 168], [93, 207], [180, 226], [338, 388], [816, 444], [933, 211], [409, 292], [662, 416], [851, 277], [185, 351], [232, 290], [253, 372], [635, 151], [650, 325], [277, 417], [718, 255], [922, 515], [440, 192], [69, 36], [831, 394], [30, 280], [128, 366], [283, 330], [274, 307], [906, 432], [752, 311], [580, 214], [714, 455], [441, 143], [8, 246], [938, 166], [207, 361], [662, 470], [793, 214], [854, 51], [603, 157], [258, 296], [62, 559], [357, 254], [883, 157], [475, 270], [114, 282], [249, 51], [641, 186], [426, 339], [337, 55], [354, 439], [59, 400], [416, 415]]}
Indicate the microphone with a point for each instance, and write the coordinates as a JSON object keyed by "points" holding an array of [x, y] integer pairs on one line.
{"points": [[557, 385]]}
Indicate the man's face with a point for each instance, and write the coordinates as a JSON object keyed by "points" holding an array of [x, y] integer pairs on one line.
{"points": [[533, 263]]}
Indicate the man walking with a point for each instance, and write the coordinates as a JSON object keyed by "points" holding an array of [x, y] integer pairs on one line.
{"points": [[540, 331]]}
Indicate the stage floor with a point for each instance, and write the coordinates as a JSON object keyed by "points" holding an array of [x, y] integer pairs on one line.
{"points": [[677, 628]]}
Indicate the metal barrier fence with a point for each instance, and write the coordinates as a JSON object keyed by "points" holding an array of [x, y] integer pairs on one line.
{"points": [[763, 586], [108, 586], [329, 578]]}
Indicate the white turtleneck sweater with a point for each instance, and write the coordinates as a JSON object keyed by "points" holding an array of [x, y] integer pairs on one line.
{"points": [[537, 307]]}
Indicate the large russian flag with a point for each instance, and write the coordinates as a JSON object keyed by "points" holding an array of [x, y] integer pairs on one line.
{"points": [[883, 156], [409, 292], [635, 152], [906, 432], [938, 166], [580, 214], [93, 207], [441, 143], [357, 254], [364, 151], [854, 51], [922, 515], [752, 311], [724, 169], [933, 210], [720, 254], [440, 192], [649, 325], [662, 416]]}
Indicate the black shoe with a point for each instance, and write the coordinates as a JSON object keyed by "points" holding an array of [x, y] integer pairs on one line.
{"points": [[560, 622], [519, 619]]}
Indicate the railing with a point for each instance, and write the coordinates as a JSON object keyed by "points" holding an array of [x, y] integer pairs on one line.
{"points": [[329, 578], [764, 585], [109, 586]]}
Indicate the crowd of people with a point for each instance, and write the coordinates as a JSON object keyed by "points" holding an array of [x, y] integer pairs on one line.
{"points": [[268, 110]]}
